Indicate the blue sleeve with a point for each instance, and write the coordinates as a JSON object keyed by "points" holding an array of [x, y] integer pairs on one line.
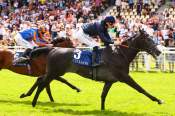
{"points": [[106, 38]]}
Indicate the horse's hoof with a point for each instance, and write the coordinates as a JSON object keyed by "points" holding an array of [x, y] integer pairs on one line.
{"points": [[33, 104], [22, 95], [160, 102], [78, 90], [52, 100], [102, 109]]}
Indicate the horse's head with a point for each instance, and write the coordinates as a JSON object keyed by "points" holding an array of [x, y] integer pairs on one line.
{"points": [[143, 42], [62, 42]]}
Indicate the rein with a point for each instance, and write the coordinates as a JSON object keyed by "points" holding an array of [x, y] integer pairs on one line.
{"points": [[137, 49], [127, 46]]}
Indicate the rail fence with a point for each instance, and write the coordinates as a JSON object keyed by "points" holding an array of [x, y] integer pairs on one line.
{"points": [[165, 61], [143, 61]]}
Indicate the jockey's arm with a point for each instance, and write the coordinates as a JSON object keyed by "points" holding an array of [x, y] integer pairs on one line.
{"points": [[47, 37], [106, 38], [44, 37], [35, 40]]}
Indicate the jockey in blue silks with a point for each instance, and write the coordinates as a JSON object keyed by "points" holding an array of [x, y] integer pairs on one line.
{"points": [[31, 38], [87, 31], [25, 38]]}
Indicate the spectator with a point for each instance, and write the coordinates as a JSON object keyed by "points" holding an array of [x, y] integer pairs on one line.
{"points": [[1, 31]]}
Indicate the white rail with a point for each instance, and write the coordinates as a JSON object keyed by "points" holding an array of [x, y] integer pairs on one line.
{"points": [[143, 62]]}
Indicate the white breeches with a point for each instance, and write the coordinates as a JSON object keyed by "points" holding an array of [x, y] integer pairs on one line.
{"points": [[84, 38], [22, 42]]}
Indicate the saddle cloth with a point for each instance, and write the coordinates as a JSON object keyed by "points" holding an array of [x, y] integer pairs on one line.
{"points": [[84, 57]]}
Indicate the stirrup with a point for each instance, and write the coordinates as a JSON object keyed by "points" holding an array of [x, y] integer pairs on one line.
{"points": [[95, 64]]}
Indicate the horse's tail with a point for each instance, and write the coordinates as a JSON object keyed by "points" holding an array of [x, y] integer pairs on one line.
{"points": [[40, 51]]}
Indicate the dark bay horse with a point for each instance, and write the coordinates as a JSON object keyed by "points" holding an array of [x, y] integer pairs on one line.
{"points": [[115, 66], [37, 65]]}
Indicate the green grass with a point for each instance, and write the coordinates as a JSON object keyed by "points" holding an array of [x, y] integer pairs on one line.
{"points": [[121, 100]]}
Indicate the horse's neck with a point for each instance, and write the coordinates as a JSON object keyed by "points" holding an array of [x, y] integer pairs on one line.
{"points": [[129, 53]]}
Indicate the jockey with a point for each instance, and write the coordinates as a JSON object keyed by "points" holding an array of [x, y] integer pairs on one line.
{"points": [[41, 36], [87, 31], [31, 38], [97, 29]]}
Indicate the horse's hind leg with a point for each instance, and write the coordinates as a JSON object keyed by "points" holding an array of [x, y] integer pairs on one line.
{"points": [[134, 85], [106, 88], [29, 93], [67, 83]]}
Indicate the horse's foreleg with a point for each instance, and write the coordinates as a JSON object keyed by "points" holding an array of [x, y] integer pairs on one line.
{"points": [[44, 83], [49, 93], [29, 93], [67, 83], [106, 88], [40, 88], [134, 85]]}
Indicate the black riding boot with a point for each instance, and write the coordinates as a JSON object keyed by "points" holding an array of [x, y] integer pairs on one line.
{"points": [[24, 57], [94, 56]]}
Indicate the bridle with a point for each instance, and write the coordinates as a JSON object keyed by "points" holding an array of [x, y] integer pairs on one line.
{"points": [[149, 49], [130, 46]]}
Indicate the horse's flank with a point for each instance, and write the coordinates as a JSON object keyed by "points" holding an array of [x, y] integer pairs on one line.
{"points": [[6, 62]]}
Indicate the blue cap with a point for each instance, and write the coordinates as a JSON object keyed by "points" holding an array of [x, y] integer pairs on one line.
{"points": [[110, 19]]}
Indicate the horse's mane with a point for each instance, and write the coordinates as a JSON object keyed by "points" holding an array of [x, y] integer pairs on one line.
{"points": [[129, 39]]}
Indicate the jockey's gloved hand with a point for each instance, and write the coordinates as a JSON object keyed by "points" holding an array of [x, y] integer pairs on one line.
{"points": [[109, 42]]}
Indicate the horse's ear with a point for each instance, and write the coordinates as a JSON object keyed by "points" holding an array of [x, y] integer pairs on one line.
{"points": [[142, 31]]}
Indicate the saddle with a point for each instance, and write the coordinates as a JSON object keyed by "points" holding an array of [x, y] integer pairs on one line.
{"points": [[90, 58]]}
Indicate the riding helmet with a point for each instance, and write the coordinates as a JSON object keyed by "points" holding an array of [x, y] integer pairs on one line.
{"points": [[110, 19]]}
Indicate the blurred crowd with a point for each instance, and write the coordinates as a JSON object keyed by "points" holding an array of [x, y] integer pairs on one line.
{"points": [[62, 17], [160, 25]]}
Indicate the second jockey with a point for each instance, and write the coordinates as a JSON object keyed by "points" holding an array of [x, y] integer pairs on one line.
{"points": [[29, 39]]}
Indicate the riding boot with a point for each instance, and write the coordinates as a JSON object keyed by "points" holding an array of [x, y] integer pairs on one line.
{"points": [[94, 56], [27, 52], [21, 60], [24, 58]]}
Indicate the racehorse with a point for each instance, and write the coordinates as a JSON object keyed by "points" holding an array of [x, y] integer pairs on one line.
{"points": [[36, 67], [115, 66]]}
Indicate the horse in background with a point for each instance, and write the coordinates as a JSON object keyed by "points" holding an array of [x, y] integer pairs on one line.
{"points": [[114, 68], [36, 67]]}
